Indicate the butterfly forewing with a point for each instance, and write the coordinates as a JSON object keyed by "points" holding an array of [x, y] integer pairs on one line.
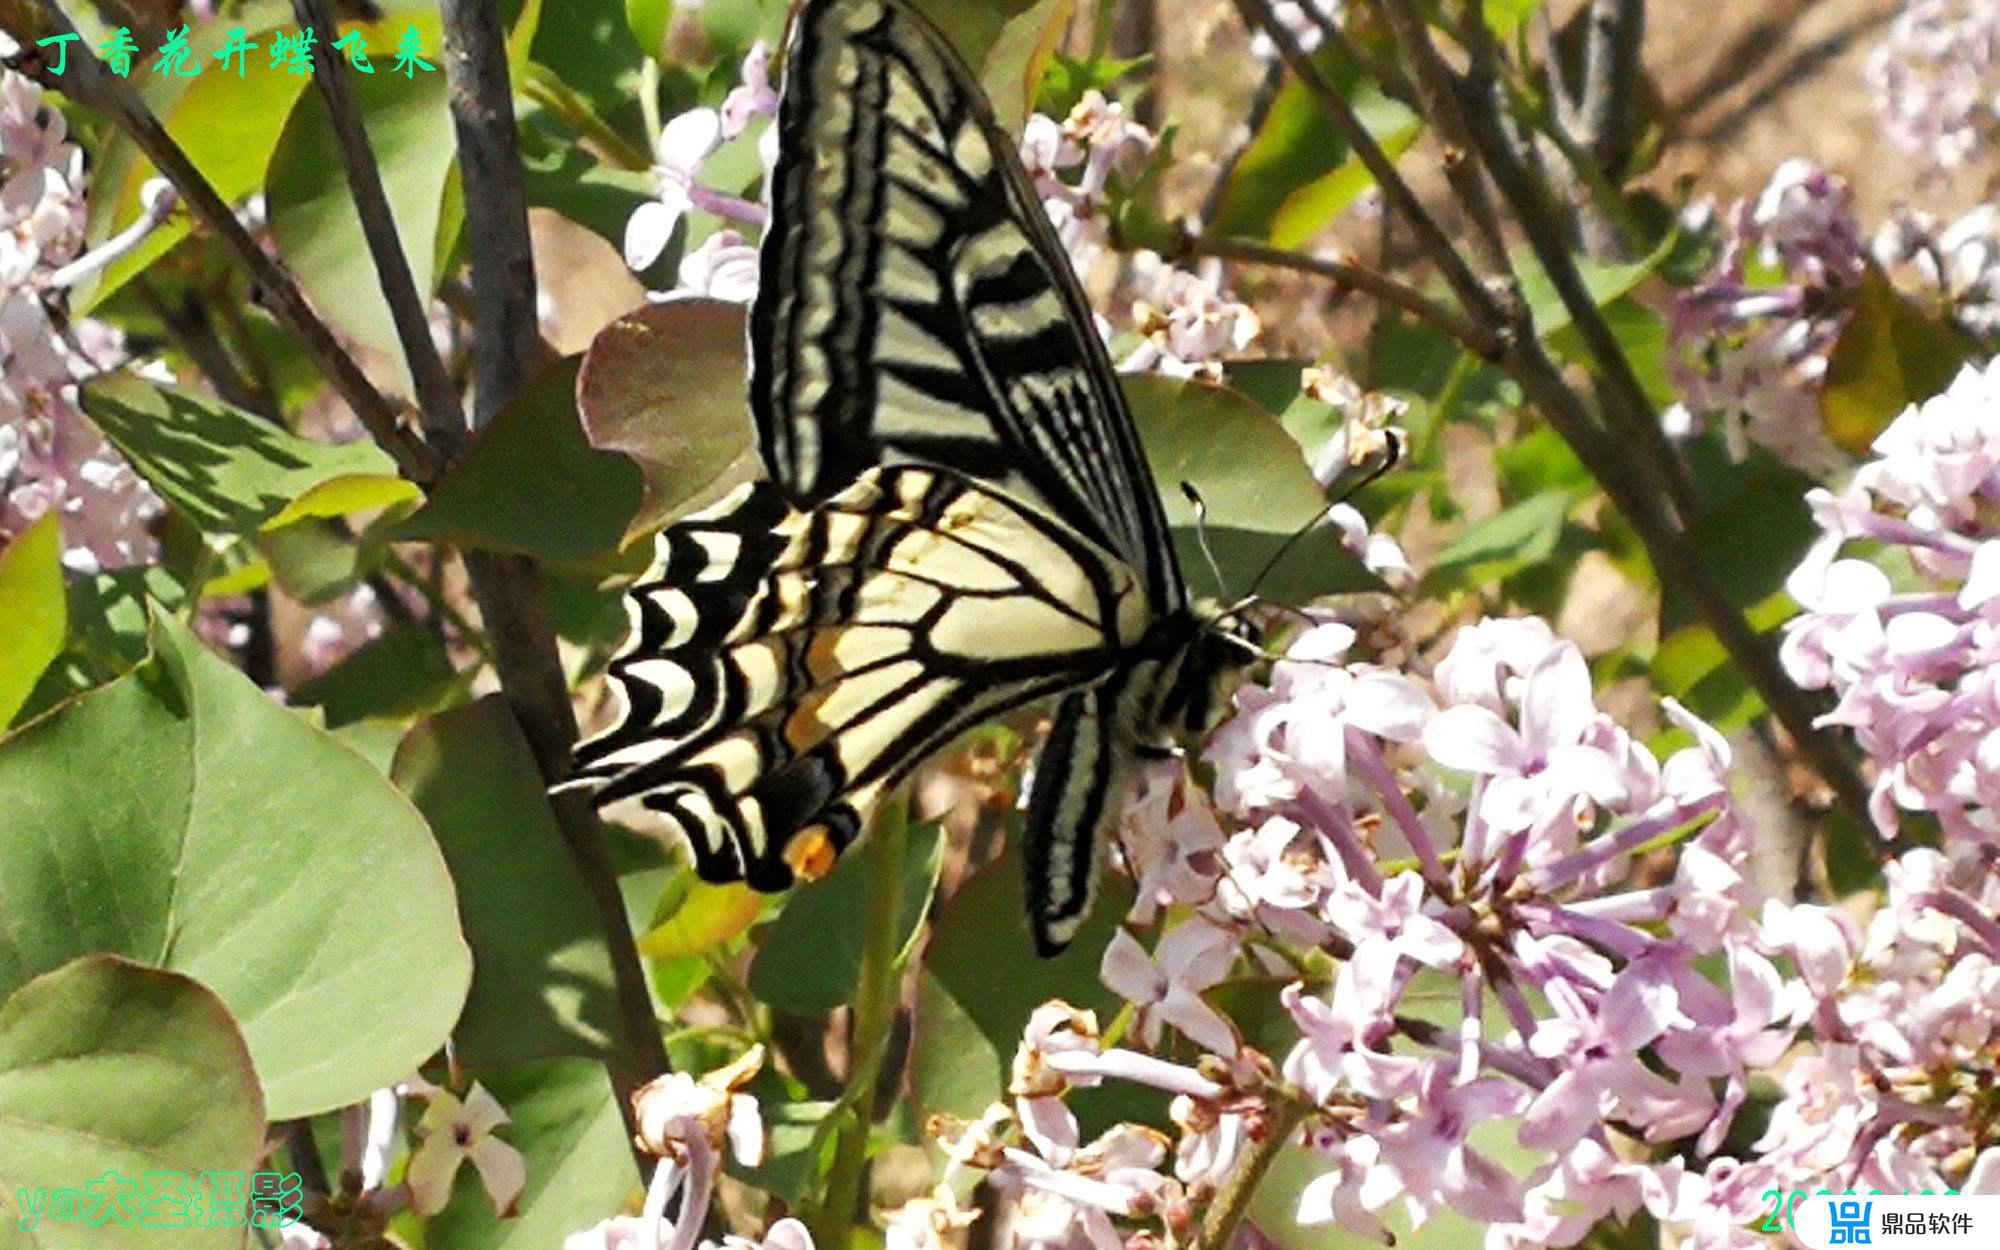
{"points": [[915, 304]]}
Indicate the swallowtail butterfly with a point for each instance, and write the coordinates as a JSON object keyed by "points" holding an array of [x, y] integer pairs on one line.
{"points": [[957, 521]]}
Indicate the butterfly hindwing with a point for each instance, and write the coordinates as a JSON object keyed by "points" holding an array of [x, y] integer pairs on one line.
{"points": [[784, 667], [915, 304]]}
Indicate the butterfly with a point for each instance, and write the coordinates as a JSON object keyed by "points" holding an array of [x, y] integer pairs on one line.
{"points": [[957, 518]]}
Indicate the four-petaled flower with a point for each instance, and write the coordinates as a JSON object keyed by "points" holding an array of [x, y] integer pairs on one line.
{"points": [[453, 1132]]}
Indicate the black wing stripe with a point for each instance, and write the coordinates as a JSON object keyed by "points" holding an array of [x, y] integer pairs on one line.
{"points": [[910, 279], [1077, 786]]}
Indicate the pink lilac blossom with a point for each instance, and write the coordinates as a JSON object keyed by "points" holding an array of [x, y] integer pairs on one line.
{"points": [[51, 458], [1748, 344], [1471, 831], [1935, 81], [1916, 670], [1477, 828]]}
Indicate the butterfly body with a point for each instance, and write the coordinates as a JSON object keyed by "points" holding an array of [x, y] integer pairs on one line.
{"points": [[958, 520]]}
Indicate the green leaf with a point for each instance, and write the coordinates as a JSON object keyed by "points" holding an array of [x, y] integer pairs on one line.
{"points": [[579, 1158], [648, 20], [541, 982], [1297, 175], [665, 386], [1692, 666], [1255, 482], [810, 961], [1603, 282], [230, 472], [32, 604], [705, 917], [791, 1167], [312, 214], [1068, 79], [1760, 496], [1317, 204], [180, 818], [531, 484], [1503, 544], [982, 981], [108, 1066], [1506, 16], [400, 674], [226, 125], [1890, 355]]}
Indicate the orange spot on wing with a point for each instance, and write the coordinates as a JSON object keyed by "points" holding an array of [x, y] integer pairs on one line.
{"points": [[810, 853]]}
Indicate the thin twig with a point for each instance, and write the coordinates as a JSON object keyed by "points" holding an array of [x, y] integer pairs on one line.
{"points": [[1610, 79], [1627, 409], [1623, 400], [513, 601], [1430, 236], [1440, 107], [503, 273], [86, 80], [409, 310], [1232, 1200], [1476, 338]]}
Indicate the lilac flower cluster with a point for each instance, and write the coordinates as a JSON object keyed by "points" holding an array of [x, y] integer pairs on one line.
{"points": [[51, 458], [1916, 667], [1488, 834], [1748, 344], [1935, 81]]}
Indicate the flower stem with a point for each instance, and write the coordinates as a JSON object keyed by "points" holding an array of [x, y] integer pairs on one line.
{"points": [[875, 1001], [1232, 1201]]}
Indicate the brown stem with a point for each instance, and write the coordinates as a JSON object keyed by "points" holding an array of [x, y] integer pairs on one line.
{"points": [[1402, 199], [1610, 80], [409, 310], [1476, 338], [1629, 412], [86, 80], [1232, 1200], [513, 601]]}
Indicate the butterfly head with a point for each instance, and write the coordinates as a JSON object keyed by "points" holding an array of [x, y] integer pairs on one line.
{"points": [[1216, 654]]}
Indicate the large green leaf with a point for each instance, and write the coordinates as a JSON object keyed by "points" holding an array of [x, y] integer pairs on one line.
{"points": [[1255, 482], [180, 818], [982, 981], [110, 1070], [312, 215], [532, 485], [580, 1170], [32, 605], [541, 982], [810, 962], [665, 386], [230, 472]]}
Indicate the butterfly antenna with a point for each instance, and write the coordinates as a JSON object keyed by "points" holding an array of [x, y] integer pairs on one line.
{"points": [[1393, 452], [1201, 534]]}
